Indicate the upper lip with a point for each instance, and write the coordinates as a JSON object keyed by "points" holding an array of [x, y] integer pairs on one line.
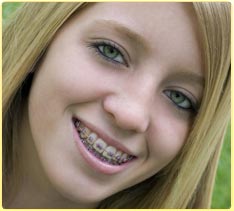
{"points": [[105, 137]]}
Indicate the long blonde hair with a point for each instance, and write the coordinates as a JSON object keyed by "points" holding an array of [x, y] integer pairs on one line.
{"points": [[187, 182]]}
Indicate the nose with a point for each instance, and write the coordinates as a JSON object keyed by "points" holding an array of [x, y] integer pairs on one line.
{"points": [[127, 114], [130, 109]]}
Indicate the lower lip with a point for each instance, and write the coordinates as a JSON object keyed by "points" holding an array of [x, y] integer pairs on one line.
{"points": [[93, 161]]}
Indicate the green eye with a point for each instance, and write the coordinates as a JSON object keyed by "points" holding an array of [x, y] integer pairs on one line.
{"points": [[109, 51], [179, 99]]}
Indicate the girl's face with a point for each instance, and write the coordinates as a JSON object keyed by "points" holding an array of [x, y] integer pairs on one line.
{"points": [[127, 77]]}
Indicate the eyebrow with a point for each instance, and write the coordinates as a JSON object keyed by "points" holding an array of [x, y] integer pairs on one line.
{"points": [[135, 38], [187, 77]]}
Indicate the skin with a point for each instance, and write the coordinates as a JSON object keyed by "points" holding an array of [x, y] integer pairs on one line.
{"points": [[129, 102]]}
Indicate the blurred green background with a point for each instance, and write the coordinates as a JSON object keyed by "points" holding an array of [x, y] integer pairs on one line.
{"points": [[222, 190]]}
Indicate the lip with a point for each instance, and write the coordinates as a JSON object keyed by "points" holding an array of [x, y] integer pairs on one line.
{"points": [[94, 162]]}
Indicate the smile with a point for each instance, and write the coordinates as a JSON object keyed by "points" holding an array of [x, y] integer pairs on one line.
{"points": [[99, 148]]}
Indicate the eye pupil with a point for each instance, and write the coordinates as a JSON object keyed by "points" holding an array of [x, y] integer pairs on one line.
{"points": [[177, 97], [110, 51]]}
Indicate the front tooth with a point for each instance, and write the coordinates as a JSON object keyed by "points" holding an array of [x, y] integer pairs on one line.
{"points": [[99, 145], [85, 132], [109, 152], [92, 138]]}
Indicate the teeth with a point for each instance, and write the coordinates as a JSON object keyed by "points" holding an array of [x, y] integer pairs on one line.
{"points": [[123, 158], [118, 155], [85, 132], [99, 145], [109, 152], [80, 126], [77, 123], [92, 138], [130, 157]]}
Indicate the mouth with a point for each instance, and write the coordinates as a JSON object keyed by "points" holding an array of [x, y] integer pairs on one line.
{"points": [[100, 146]]}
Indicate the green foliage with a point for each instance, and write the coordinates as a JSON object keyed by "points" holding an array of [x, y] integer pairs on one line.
{"points": [[222, 190], [8, 8]]}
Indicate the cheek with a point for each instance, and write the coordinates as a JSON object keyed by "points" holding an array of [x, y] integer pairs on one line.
{"points": [[63, 81], [167, 138], [73, 79]]}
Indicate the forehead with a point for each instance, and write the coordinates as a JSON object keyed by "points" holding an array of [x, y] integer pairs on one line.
{"points": [[149, 19], [168, 28]]}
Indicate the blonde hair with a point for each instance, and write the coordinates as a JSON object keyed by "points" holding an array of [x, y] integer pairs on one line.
{"points": [[187, 182]]}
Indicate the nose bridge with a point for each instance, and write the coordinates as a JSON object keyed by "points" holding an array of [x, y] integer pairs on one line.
{"points": [[143, 88], [139, 93], [130, 105]]}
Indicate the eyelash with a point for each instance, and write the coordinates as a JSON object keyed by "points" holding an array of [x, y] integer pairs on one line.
{"points": [[99, 46], [193, 108]]}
